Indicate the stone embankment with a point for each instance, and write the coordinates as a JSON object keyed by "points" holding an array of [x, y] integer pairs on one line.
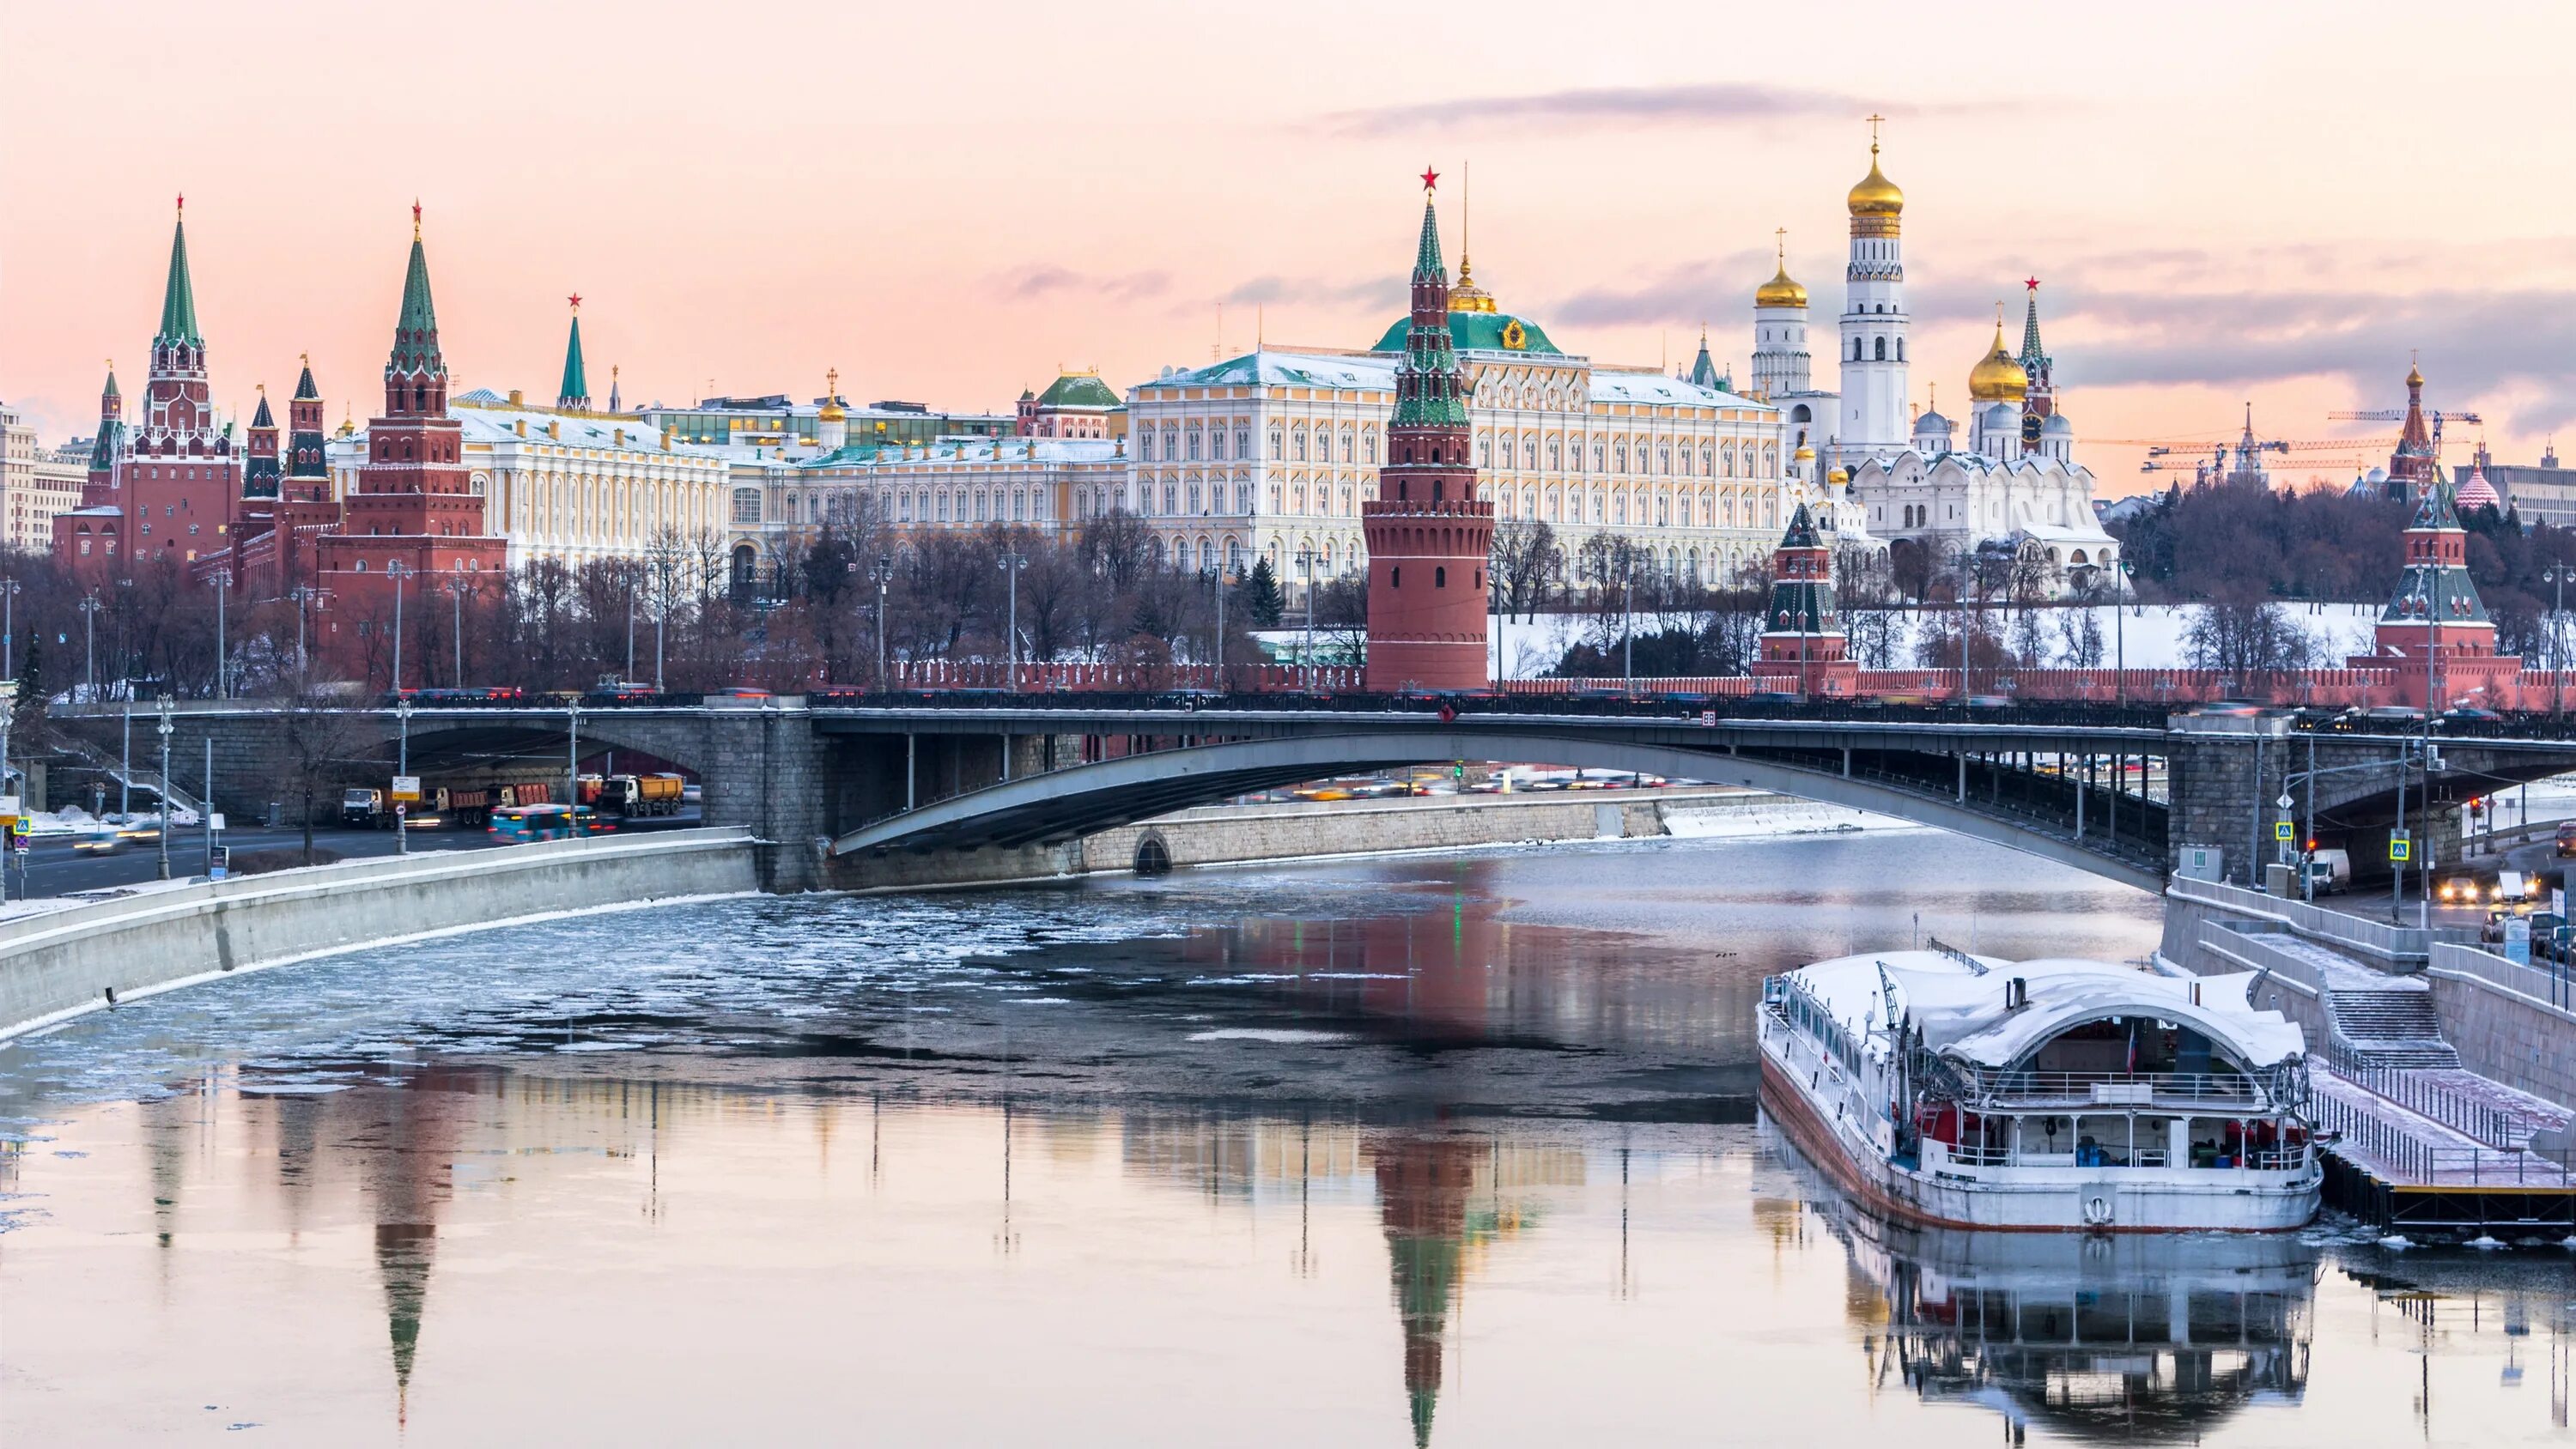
{"points": [[58, 964]]}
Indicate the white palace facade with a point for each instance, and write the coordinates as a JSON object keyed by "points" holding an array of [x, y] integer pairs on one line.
{"points": [[1270, 455]]}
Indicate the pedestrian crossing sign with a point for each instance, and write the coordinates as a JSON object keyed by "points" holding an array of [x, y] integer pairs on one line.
{"points": [[2281, 830], [2400, 848]]}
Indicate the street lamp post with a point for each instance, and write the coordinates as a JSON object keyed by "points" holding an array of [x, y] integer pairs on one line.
{"points": [[8, 706], [9, 627], [1012, 563], [89, 607], [402, 766], [2557, 575], [1220, 626], [399, 571], [630, 628], [457, 588], [1628, 625], [2119, 630], [1306, 567], [572, 768], [221, 580], [125, 773], [882, 571], [164, 831]]}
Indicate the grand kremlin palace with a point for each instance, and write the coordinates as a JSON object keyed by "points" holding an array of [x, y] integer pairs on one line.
{"points": [[1270, 454]]}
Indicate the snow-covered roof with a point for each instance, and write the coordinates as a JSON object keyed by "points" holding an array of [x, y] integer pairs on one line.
{"points": [[965, 449], [1962, 1015], [490, 418], [1375, 372], [2087, 534], [1614, 385]]}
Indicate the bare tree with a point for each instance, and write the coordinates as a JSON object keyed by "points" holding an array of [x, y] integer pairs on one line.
{"points": [[1524, 552], [321, 746]]}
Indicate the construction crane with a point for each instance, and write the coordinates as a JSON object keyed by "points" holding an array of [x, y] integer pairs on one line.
{"points": [[2241, 460], [2398, 415]]}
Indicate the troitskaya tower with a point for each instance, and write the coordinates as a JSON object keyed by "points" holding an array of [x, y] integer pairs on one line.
{"points": [[1874, 319], [1428, 536]]}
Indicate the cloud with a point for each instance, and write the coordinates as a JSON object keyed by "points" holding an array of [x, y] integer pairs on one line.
{"points": [[1376, 293], [1679, 296], [1047, 281], [1715, 103]]}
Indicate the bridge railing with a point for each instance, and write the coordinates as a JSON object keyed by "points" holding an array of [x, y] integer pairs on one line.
{"points": [[2404, 947], [2552, 982]]}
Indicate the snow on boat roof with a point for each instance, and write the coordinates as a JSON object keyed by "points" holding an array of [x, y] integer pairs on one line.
{"points": [[1962, 1014]]}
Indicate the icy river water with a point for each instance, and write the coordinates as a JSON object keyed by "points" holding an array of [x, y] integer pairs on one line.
{"points": [[1456, 1150]]}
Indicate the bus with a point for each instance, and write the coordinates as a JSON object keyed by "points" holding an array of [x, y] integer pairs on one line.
{"points": [[516, 823]]}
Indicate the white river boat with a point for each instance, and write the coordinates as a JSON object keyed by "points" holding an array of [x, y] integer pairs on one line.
{"points": [[2044, 1095]]}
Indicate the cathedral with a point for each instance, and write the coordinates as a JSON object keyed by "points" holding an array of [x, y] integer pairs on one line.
{"points": [[2013, 480]]}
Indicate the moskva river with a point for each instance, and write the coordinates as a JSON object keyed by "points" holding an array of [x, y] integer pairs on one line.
{"points": [[1457, 1151]]}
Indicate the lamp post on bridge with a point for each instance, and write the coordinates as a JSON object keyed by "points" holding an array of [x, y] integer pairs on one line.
{"points": [[1012, 563], [882, 573], [9, 627], [89, 607], [402, 766], [2120, 630], [1306, 567], [221, 580], [398, 571], [458, 587], [2557, 575]]}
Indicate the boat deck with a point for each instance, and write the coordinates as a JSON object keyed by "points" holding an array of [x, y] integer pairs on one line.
{"points": [[2442, 1149]]}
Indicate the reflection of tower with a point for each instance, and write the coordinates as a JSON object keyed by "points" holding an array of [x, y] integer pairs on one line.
{"points": [[1423, 1185], [411, 1183]]}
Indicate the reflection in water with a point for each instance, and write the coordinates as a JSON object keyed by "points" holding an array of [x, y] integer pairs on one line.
{"points": [[1218, 1129]]}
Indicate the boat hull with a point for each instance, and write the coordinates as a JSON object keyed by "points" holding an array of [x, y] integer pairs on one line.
{"points": [[2073, 1201]]}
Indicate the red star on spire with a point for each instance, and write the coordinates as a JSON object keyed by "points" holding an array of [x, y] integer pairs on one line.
{"points": [[183, 201], [576, 301], [1430, 178], [415, 212], [2031, 282]]}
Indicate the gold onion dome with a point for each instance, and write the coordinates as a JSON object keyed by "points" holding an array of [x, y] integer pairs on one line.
{"points": [[1804, 454], [832, 411], [1998, 378], [1875, 195], [1780, 291], [1467, 296]]}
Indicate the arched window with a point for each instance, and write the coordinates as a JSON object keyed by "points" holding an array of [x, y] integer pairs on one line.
{"points": [[1855, 349], [1440, 578], [1394, 575], [1882, 350], [1900, 349]]}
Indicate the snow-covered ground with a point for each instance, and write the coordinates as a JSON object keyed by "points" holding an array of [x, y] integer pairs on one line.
{"points": [[73, 820], [2148, 636]]}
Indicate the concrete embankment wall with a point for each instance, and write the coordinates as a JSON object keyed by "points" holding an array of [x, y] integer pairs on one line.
{"points": [[1294, 830], [60, 963], [2500, 1017]]}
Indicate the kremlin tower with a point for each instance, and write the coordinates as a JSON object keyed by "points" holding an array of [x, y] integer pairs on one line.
{"points": [[2435, 635], [1802, 639], [2413, 469], [412, 506], [1781, 364], [1428, 536]]}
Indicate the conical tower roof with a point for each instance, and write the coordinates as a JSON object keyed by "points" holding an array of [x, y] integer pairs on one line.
{"points": [[2033, 357], [179, 294], [1802, 530], [261, 418], [575, 391], [1427, 266], [305, 391], [110, 389], [416, 330]]}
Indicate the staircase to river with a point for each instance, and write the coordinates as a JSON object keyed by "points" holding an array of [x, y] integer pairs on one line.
{"points": [[2389, 1027]]}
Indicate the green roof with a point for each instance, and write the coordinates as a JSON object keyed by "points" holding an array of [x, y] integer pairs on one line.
{"points": [[1078, 390], [416, 331], [575, 391], [178, 296], [1478, 332]]}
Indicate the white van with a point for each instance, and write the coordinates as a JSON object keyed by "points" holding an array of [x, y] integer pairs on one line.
{"points": [[2329, 871]]}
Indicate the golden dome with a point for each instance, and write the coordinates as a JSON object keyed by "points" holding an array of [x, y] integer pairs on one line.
{"points": [[832, 411], [1804, 454], [1875, 195], [1998, 378], [1780, 291], [1467, 296], [1838, 476]]}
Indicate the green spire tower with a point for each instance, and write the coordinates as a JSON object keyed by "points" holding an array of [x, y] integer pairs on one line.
{"points": [[575, 392]]}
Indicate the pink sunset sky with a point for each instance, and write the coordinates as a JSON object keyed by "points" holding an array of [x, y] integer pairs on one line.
{"points": [[2225, 203]]}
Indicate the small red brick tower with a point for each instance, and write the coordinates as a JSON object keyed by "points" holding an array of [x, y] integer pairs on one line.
{"points": [[1428, 536], [2435, 634], [1802, 638], [2413, 468], [259, 480], [413, 504]]}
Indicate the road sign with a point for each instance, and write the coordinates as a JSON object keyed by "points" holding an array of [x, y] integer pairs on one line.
{"points": [[2281, 831], [1708, 718], [215, 821], [2400, 848], [2517, 940], [406, 787]]}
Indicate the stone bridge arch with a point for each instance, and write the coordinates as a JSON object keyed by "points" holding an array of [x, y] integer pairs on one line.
{"points": [[1066, 804]]}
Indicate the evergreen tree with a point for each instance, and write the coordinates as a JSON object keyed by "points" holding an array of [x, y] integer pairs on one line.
{"points": [[31, 679], [1258, 598]]}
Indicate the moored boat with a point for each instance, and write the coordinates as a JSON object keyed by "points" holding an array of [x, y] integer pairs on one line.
{"points": [[2053, 1094]]}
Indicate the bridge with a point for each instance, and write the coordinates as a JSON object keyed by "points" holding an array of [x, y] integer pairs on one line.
{"points": [[920, 788]]}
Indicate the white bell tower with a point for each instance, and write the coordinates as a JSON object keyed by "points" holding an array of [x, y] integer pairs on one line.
{"points": [[1873, 358]]}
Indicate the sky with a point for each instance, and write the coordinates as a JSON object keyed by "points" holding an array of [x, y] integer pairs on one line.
{"points": [[2278, 205]]}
